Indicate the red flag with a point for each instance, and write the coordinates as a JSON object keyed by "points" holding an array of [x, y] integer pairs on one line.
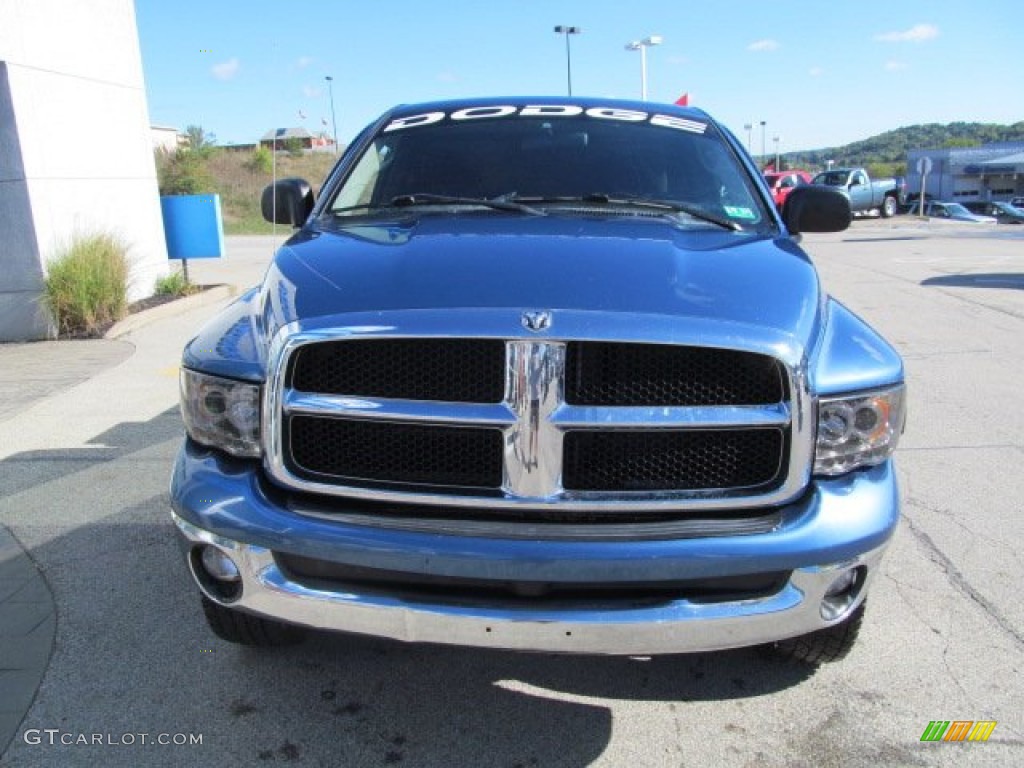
{"points": [[684, 100]]}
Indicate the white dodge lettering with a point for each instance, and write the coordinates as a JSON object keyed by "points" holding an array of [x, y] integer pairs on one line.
{"points": [[548, 110], [476, 112], [412, 120]]}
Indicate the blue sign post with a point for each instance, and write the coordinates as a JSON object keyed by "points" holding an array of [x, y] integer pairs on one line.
{"points": [[192, 227]]}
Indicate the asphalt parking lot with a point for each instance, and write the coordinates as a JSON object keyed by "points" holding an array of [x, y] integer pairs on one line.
{"points": [[83, 487]]}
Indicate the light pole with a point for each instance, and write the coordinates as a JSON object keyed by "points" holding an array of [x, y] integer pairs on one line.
{"points": [[776, 140], [564, 30], [763, 153], [642, 46], [748, 128], [334, 122]]}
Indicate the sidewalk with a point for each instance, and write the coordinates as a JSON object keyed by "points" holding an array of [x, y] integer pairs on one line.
{"points": [[39, 408]]}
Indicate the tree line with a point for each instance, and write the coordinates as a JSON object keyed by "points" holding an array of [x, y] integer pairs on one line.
{"points": [[886, 153]]}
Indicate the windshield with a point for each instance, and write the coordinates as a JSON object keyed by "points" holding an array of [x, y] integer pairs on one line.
{"points": [[832, 178], [562, 155]]}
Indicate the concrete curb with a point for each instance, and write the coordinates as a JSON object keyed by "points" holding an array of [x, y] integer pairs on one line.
{"points": [[170, 309]]}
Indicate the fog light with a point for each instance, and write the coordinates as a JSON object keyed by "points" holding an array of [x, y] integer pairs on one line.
{"points": [[218, 565], [842, 593], [842, 583]]}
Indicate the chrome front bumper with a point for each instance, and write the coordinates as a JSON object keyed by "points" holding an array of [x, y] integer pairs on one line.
{"points": [[676, 626], [840, 523]]}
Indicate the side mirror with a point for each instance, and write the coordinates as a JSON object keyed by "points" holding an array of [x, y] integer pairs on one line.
{"points": [[289, 201], [816, 209]]}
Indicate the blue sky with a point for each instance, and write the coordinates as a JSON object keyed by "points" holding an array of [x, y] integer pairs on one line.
{"points": [[818, 73]]}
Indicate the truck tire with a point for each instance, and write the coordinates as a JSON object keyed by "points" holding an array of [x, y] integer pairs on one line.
{"points": [[888, 207], [829, 644], [246, 629]]}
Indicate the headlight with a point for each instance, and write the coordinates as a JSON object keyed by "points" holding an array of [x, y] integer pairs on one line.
{"points": [[858, 431], [221, 413]]}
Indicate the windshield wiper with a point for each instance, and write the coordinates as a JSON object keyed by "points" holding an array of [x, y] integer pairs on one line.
{"points": [[667, 206], [502, 203], [354, 208]]}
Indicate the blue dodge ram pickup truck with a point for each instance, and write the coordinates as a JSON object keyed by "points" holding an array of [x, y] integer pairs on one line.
{"points": [[541, 374]]}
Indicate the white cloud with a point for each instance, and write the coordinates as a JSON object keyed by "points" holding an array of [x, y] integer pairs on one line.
{"points": [[303, 61], [226, 69], [894, 66], [447, 77], [816, 71], [312, 92], [916, 34], [763, 45]]}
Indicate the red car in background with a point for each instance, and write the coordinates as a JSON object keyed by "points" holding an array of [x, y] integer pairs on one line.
{"points": [[781, 182]]}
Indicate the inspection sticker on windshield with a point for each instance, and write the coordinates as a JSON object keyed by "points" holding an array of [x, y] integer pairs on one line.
{"points": [[735, 212]]}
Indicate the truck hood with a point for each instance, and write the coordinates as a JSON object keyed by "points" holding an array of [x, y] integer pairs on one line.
{"points": [[608, 264]]}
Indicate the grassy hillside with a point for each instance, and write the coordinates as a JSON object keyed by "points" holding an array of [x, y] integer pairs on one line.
{"points": [[238, 178], [240, 185]]}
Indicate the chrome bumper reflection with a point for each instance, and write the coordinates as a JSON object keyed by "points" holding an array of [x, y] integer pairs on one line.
{"points": [[675, 626]]}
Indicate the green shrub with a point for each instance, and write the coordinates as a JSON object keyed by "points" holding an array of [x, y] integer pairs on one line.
{"points": [[183, 172], [174, 284], [87, 283], [260, 161], [293, 145]]}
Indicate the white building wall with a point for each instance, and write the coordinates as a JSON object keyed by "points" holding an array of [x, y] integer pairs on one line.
{"points": [[76, 154]]}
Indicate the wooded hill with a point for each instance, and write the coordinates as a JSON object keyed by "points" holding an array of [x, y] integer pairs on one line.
{"points": [[887, 152]]}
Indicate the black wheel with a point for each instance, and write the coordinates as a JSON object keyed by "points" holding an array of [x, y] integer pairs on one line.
{"points": [[889, 207], [829, 644], [246, 629]]}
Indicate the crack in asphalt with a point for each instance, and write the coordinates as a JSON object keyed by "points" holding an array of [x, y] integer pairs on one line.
{"points": [[958, 580]]}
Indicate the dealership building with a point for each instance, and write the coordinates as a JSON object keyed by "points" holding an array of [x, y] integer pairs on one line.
{"points": [[989, 172]]}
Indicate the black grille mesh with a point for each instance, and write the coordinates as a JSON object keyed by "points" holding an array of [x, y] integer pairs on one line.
{"points": [[395, 453], [608, 373], [659, 460], [451, 370]]}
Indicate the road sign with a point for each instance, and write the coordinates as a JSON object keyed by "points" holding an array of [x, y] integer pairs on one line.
{"points": [[924, 165]]}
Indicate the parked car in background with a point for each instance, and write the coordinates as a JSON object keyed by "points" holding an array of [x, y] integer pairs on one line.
{"points": [[782, 183], [912, 202], [1017, 202], [1004, 213], [954, 212], [865, 195]]}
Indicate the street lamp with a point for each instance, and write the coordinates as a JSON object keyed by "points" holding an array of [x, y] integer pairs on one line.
{"points": [[563, 30], [642, 46], [748, 128], [334, 122], [763, 153]]}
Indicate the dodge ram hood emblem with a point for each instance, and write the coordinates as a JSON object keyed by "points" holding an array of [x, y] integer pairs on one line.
{"points": [[537, 320]]}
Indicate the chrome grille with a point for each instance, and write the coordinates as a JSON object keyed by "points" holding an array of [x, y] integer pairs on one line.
{"points": [[598, 426]]}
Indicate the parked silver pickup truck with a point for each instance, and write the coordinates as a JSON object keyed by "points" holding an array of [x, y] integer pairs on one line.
{"points": [[865, 195]]}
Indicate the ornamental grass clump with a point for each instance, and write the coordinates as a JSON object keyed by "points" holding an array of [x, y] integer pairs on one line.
{"points": [[87, 285]]}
